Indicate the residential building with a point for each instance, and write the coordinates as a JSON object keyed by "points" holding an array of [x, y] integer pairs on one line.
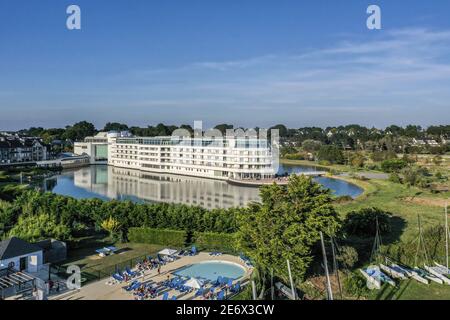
{"points": [[16, 149], [20, 255]]}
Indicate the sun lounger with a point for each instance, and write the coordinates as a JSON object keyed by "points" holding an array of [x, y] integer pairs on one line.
{"points": [[133, 286], [165, 296], [218, 281], [236, 288], [174, 298], [118, 277], [130, 273], [193, 251], [199, 292], [224, 281], [221, 295]]}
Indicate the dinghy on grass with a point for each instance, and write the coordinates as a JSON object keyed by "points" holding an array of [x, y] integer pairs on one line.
{"points": [[438, 272], [393, 271], [373, 281], [375, 277]]}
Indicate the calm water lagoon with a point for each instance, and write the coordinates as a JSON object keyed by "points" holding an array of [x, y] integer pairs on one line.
{"points": [[105, 182]]}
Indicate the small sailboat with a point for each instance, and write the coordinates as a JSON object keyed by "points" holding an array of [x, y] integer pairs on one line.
{"points": [[372, 276], [393, 271], [428, 276], [437, 272], [445, 271]]}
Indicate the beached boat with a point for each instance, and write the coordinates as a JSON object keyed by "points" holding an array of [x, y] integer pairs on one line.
{"points": [[394, 271], [437, 273], [444, 269], [373, 281]]}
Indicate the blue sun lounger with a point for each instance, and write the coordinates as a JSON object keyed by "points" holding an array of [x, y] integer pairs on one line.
{"points": [[236, 288], [129, 272], [133, 286], [193, 251], [174, 298], [199, 292], [218, 281], [230, 283], [221, 295], [224, 281], [165, 296], [118, 277]]}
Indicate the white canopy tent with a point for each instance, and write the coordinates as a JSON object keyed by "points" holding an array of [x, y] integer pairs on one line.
{"points": [[194, 283], [167, 252]]}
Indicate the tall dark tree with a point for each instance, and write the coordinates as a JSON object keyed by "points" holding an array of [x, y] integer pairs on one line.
{"points": [[286, 225]]}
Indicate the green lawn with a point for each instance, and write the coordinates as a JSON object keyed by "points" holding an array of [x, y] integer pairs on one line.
{"points": [[94, 267], [393, 197], [412, 290]]}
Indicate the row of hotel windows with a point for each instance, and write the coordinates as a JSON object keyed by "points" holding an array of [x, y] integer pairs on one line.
{"points": [[184, 160], [195, 151]]}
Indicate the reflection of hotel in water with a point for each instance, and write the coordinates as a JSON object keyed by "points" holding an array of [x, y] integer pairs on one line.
{"points": [[119, 183]]}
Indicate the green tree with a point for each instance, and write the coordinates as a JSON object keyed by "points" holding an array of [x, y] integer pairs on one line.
{"points": [[331, 154], [79, 131], [115, 126], [39, 227], [393, 165], [286, 225], [363, 222], [311, 145]]}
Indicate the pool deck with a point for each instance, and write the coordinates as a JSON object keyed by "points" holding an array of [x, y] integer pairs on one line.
{"points": [[104, 290]]}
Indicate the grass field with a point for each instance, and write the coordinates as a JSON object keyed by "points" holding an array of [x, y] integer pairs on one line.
{"points": [[405, 203], [412, 290]]}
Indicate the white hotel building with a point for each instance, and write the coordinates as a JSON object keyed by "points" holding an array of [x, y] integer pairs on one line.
{"points": [[217, 158]]}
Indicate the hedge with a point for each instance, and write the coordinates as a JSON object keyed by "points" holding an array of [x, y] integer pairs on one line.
{"points": [[215, 241], [157, 236]]}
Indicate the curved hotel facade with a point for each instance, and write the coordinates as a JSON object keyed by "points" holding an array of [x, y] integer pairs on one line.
{"points": [[207, 157]]}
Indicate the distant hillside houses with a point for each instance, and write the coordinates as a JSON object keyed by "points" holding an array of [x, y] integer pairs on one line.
{"points": [[425, 142], [15, 148]]}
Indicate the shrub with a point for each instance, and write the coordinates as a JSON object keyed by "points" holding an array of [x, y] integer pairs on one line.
{"points": [[395, 177], [363, 222], [215, 241], [357, 160], [355, 285], [393, 165], [347, 257], [343, 199], [416, 176], [157, 236]]}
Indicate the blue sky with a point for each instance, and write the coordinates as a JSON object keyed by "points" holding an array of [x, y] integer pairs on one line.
{"points": [[250, 63]]}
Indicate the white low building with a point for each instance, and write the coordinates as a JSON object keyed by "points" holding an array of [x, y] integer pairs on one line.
{"points": [[20, 255], [95, 147]]}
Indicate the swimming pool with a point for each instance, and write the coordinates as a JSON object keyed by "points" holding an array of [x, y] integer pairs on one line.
{"points": [[211, 270]]}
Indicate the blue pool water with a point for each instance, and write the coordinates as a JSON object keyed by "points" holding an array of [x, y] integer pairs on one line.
{"points": [[211, 270]]}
